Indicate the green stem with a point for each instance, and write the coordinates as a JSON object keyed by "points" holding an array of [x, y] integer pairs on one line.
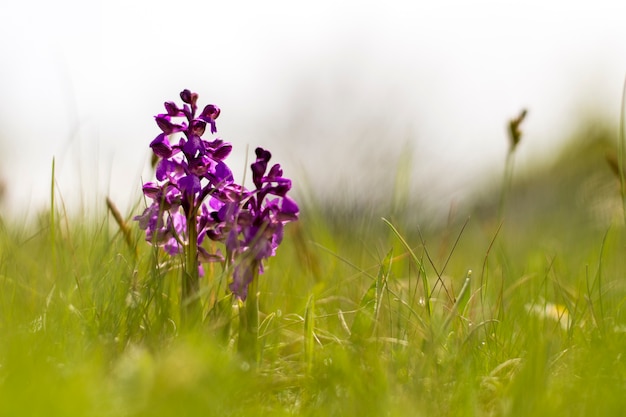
{"points": [[249, 322], [53, 223], [191, 309], [506, 183], [620, 150]]}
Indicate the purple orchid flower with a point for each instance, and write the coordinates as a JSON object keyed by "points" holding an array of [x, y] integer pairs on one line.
{"points": [[195, 196], [259, 222]]}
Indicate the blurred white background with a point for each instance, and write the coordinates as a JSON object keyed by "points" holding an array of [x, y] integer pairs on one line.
{"points": [[336, 89]]}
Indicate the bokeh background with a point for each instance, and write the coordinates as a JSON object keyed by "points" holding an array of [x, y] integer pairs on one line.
{"points": [[348, 95]]}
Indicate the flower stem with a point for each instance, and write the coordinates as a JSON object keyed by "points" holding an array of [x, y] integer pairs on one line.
{"points": [[249, 322], [621, 147], [506, 183], [191, 309], [53, 224]]}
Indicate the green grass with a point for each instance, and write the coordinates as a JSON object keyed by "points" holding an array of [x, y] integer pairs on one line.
{"points": [[358, 318]]}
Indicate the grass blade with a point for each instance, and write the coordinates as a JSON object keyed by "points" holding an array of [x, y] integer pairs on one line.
{"points": [[367, 315], [417, 262], [309, 332]]}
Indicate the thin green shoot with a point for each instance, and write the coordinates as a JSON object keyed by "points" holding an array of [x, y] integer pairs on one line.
{"points": [[248, 343], [515, 137], [52, 219], [418, 263], [621, 149], [366, 319], [309, 333], [462, 297]]}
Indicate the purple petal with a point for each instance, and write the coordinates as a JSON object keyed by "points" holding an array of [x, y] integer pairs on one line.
{"points": [[151, 189], [199, 166], [288, 210], [167, 126], [209, 114], [172, 247], [197, 127], [281, 188], [147, 217], [262, 154], [223, 174], [242, 277], [275, 172], [215, 203], [189, 184], [222, 151], [260, 166], [210, 111], [172, 109], [192, 146], [165, 169], [178, 222], [264, 249], [189, 97], [161, 146]]}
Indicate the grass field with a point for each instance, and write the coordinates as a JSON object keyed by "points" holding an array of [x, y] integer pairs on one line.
{"points": [[357, 317]]}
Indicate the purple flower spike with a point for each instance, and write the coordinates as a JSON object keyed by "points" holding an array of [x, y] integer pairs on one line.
{"points": [[260, 222], [184, 178], [195, 195]]}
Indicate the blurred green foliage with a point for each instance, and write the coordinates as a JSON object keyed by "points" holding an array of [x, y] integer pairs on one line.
{"points": [[91, 327]]}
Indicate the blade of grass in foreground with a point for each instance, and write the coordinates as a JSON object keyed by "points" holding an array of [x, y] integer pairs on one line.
{"points": [[621, 149], [417, 262], [367, 314], [121, 223], [309, 332], [52, 222], [461, 298]]}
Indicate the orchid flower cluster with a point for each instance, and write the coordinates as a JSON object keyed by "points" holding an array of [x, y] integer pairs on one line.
{"points": [[195, 197]]}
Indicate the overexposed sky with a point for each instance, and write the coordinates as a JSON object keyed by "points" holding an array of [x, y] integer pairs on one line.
{"points": [[334, 88]]}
